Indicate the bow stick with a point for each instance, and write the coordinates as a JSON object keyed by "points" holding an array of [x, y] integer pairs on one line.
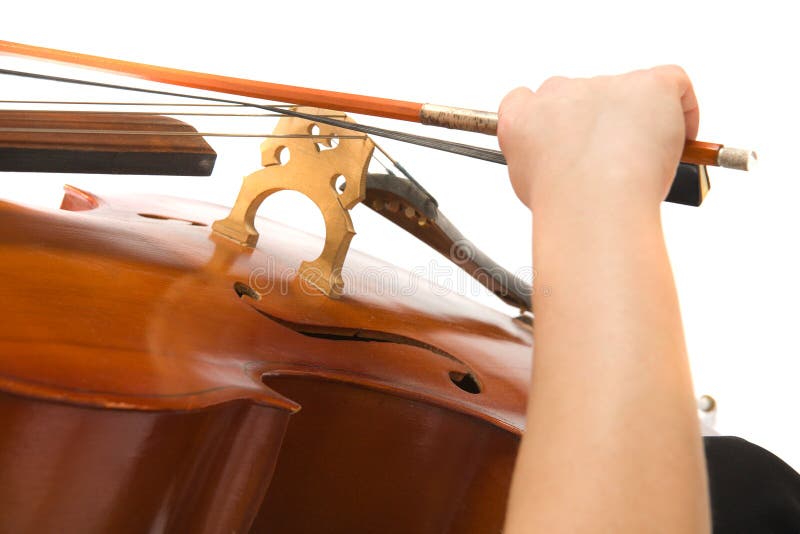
{"points": [[694, 152]]}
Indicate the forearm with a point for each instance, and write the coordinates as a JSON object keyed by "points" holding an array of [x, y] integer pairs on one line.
{"points": [[611, 418]]}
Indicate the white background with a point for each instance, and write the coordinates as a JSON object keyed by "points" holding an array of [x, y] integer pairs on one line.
{"points": [[735, 259]]}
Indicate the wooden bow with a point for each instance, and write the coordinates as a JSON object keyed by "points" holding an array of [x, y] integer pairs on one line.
{"points": [[695, 152]]}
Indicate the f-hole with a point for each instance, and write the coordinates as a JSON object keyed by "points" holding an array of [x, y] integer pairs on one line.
{"points": [[465, 381]]}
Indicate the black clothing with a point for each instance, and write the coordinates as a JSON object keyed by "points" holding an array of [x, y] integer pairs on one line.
{"points": [[752, 490]]}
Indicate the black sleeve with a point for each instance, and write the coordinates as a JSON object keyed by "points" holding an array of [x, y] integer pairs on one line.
{"points": [[752, 490]]}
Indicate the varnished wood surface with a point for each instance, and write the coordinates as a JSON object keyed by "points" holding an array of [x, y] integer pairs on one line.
{"points": [[105, 153], [165, 287], [382, 463], [700, 152], [67, 468], [368, 105], [127, 314]]}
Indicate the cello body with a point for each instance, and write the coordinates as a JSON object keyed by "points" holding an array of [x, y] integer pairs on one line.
{"points": [[155, 377]]}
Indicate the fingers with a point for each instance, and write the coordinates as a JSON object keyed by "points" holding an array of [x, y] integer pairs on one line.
{"points": [[512, 101], [510, 111], [672, 75], [677, 77], [668, 80], [691, 112]]}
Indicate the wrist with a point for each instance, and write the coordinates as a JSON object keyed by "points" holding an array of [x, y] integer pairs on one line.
{"points": [[606, 191]]}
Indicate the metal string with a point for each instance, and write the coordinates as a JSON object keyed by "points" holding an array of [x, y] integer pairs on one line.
{"points": [[405, 173], [189, 114], [170, 133], [176, 104], [148, 105], [81, 103]]}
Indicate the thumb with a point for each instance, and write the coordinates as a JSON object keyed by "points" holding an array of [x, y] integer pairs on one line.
{"points": [[509, 114]]}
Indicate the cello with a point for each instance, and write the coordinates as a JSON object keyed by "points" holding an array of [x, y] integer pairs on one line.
{"points": [[163, 373]]}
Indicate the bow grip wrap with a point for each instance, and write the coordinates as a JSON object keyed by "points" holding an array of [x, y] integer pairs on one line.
{"points": [[467, 120]]}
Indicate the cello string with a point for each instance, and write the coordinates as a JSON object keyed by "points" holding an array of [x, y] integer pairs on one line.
{"points": [[148, 105], [178, 134], [391, 160], [405, 173], [206, 134], [88, 103], [472, 151], [191, 114], [232, 103], [382, 164], [176, 104]]}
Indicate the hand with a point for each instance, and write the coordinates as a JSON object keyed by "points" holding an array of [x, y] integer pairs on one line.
{"points": [[611, 141]]}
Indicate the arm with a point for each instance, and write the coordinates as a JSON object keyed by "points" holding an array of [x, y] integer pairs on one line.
{"points": [[612, 441]]}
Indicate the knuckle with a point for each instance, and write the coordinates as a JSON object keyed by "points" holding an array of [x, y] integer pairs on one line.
{"points": [[553, 83], [514, 98], [669, 75], [511, 106]]}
